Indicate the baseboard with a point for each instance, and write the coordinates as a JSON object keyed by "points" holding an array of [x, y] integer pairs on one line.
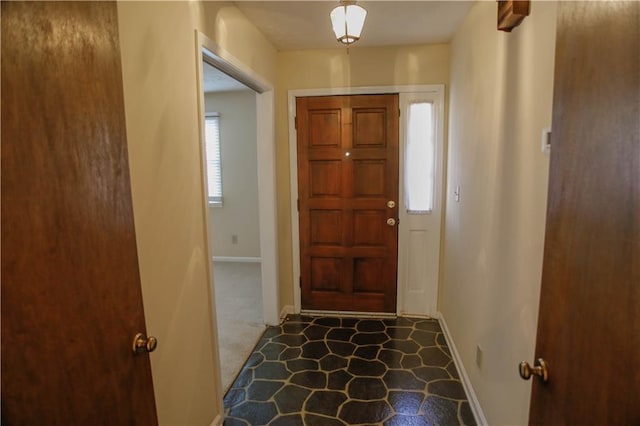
{"points": [[286, 310], [217, 421], [471, 394], [347, 314], [236, 259]]}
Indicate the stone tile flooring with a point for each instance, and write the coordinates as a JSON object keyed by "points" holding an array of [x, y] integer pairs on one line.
{"points": [[347, 371]]}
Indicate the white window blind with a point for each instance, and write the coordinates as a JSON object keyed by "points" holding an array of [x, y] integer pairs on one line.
{"points": [[214, 160], [420, 156]]}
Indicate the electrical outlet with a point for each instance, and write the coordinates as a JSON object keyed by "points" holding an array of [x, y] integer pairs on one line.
{"points": [[234, 239], [479, 357]]}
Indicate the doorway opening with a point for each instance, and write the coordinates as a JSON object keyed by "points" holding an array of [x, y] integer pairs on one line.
{"points": [[234, 238], [236, 116]]}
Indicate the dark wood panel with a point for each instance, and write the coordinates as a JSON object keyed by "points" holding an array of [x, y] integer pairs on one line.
{"points": [[326, 273], [370, 178], [366, 276], [71, 298], [325, 178], [589, 319], [326, 227], [327, 128], [369, 127], [369, 227]]}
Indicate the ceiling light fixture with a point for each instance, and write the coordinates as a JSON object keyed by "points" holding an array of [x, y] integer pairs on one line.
{"points": [[347, 21]]}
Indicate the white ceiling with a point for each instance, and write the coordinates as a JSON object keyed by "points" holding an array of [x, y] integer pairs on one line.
{"points": [[215, 80], [292, 25]]}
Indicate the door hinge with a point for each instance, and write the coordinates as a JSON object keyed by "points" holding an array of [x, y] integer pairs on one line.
{"points": [[295, 122], [399, 112], [298, 203], [300, 281]]}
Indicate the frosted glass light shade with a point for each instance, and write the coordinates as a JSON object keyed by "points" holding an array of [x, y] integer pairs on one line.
{"points": [[347, 21]]}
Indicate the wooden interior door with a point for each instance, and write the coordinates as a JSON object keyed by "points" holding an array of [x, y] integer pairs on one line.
{"points": [[589, 318], [347, 174], [71, 297]]}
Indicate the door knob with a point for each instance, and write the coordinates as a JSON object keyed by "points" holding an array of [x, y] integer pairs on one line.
{"points": [[391, 222], [539, 369], [143, 343], [391, 204]]}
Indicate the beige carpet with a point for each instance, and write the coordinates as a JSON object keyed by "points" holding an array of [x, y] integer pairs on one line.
{"points": [[238, 292]]}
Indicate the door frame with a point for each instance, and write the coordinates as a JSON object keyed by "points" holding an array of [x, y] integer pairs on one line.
{"points": [[437, 90], [265, 116]]}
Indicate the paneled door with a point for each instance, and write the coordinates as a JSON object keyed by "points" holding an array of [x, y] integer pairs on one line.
{"points": [[589, 318], [348, 202], [71, 296]]}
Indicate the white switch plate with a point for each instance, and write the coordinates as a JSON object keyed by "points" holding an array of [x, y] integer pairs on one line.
{"points": [[479, 354], [546, 140]]}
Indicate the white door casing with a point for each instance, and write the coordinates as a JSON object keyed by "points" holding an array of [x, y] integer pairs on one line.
{"points": [[419, 236]]}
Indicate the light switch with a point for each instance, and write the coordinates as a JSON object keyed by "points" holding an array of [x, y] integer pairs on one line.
{"points": [[546, 140]]}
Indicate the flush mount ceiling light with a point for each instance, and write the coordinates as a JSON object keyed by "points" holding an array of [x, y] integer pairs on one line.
{"points": [[348, 20]]}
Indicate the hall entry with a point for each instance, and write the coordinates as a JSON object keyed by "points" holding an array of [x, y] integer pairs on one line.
{"points": [[230, 138], [369, 170]]}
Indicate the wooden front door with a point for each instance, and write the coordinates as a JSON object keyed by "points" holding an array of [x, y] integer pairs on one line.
{"points": [[71, 297], [347, 175], [589, 318]]}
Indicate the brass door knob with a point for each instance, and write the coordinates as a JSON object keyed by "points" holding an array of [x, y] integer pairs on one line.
{"points": [[143, 343], [391, 222], [539, 369], [391, 204]]}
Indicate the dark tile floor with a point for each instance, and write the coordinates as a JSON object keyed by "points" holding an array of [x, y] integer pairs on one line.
{"points": [[348, 371]]}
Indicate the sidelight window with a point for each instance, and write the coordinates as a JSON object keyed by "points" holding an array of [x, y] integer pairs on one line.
{"points": [[420, 153]]}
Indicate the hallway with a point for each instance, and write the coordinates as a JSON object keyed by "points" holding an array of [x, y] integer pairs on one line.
{"points": [[337, 371]]}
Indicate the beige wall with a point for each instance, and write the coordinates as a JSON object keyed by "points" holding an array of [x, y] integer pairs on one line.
{"points": [[501, 98], [239, 213], [159, 71], [330, 68]]}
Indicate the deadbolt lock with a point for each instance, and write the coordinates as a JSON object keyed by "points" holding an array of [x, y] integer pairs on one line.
{"points": [[391, 204]]}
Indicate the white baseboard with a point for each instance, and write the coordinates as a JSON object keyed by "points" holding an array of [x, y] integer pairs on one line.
{"points": [[286, 310], [478, 414], [217, 421], [236, 259]]}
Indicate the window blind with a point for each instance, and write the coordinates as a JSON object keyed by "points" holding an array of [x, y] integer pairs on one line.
{"points": [[214, 159]]}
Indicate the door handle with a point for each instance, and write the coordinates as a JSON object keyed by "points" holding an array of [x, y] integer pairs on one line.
{"points": [[540, 369], [392, 222], [143, 343]]}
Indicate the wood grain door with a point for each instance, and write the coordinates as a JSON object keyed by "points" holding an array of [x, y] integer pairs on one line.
{"points": [[347, 173], [589, 319], [71, 297]]}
